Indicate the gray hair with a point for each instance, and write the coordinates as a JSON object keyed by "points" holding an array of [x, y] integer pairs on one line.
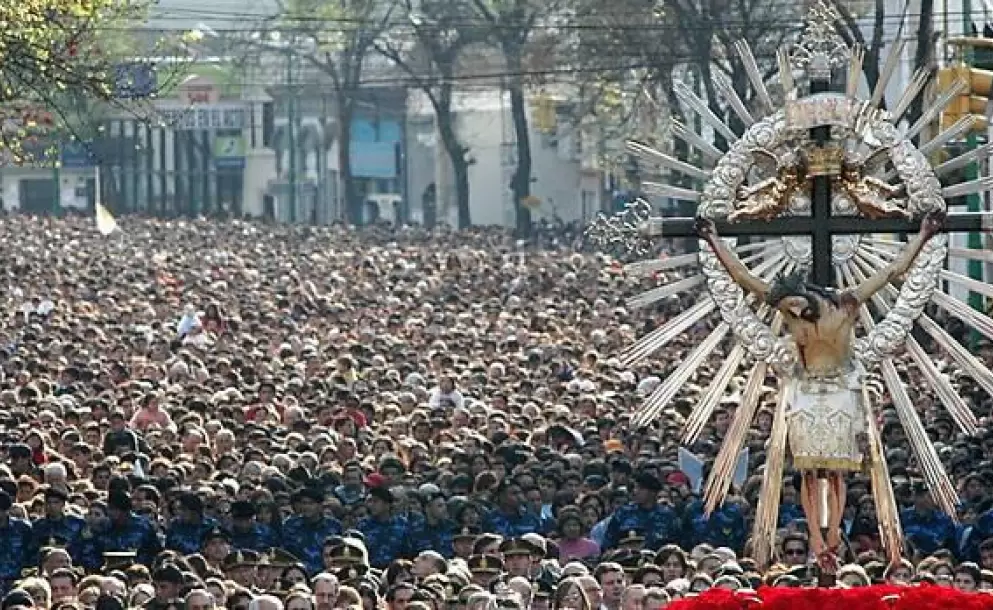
{"points": [[265, 602]]}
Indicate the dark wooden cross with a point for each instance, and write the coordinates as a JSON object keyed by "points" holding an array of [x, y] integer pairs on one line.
{"points": [[821, 225]]}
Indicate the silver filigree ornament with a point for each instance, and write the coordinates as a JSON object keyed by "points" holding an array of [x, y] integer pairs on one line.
{"points": [[820, 49], [621, 233], [890, 333]]}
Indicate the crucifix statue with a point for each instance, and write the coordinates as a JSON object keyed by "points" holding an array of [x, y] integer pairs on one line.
{"points": [[824, 390], [817, 181]]}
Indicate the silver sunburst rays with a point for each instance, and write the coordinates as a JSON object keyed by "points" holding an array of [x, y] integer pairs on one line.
{"points": [[882, 141]]}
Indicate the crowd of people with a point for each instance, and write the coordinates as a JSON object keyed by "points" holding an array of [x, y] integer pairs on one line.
{"points": [[207, 415]]}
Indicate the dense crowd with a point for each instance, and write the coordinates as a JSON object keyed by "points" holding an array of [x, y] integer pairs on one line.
{"points": [[201, 415]]}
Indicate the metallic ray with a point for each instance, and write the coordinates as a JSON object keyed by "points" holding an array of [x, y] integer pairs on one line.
{"points": [[658, 400], [936, 108], [673, 192], [857, 56], [722, 471], [704, 409], [661, 292], [892, 61], [658, 293], [962, 356], [726, 89], [686, 95], [658, 338], [969, 187], [937, 480], [648, 267], [656, 157], [966, 253], [767, 269], [707, 149], [754, 75], [767, 511], [917, 84], [977, 154], [786, 73], [887, 509], [956, 131]]}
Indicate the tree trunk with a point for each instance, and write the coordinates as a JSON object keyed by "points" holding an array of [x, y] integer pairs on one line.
{"points": [[520, 183], [924, 56], [350, 199], [456, 153]]}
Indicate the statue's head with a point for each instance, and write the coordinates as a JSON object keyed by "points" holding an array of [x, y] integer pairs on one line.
{"points": [[795, 296]]}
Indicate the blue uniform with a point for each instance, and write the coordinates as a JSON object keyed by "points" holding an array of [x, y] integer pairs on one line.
{"points": [[659, 525], [305, 540], [17, 551], [928, 532], [63, 532], [258, 537], [136, 534], [187, 538], [423, 536], [86, 551], [725, 527], [512, 526], [385, 540]]}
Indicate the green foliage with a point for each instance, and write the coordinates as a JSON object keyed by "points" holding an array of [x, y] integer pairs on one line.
{"points": [[59, 57]]}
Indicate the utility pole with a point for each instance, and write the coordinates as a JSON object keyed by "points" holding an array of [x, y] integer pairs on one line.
{"points": [[57, 178], [974, 202], [291, 125]]}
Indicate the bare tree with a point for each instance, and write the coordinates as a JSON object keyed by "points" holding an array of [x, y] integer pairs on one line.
{"points": [[427, 47], [338, 39], [511, 25], [926, 39]]}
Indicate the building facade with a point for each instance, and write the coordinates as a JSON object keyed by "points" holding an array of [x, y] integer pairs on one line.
{"points": [[567, 182]]}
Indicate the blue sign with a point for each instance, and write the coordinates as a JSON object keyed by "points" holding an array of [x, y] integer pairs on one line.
{"points": [[134, 80], [77, 155], [374, 159]]}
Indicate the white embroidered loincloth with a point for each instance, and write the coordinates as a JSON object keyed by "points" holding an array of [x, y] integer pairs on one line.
{"points": [[825, 421]]}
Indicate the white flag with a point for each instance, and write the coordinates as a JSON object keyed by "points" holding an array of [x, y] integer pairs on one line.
{"points": [[105, 220]]}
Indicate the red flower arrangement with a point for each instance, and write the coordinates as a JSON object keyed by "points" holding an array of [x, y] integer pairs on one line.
{"points": [[881, 597]]}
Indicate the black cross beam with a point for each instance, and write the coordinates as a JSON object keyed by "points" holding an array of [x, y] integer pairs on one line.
{"points": [[821, 225]]}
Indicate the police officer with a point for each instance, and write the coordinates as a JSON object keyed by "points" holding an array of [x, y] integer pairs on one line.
{"points": [[385, 533], [186, 532], [485, 569], [658, 524], [128, 531], [463, 541], [517, 554], [56, 528], [435, 531], [304, 533], [16, 549], [246, 532], [216, 546], [346, 551]]}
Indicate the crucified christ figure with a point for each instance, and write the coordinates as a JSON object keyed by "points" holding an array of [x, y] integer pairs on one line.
{"points": [[825, 414]]}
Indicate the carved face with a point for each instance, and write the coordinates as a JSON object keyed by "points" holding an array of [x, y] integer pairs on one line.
{"points": [[804, 307]]}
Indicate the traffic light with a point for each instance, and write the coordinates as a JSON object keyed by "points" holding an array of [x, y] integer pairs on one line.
{"points": [[545, 114], [973, 101]]}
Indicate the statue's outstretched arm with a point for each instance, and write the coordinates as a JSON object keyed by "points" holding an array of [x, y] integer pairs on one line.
{"points": [[930, 226], [735, 268]]}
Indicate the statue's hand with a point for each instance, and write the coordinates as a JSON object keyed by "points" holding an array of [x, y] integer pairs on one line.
{"points": [[705, 229], [932, 224]]}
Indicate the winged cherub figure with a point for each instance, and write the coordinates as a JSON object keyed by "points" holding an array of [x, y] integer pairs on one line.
{"points": [[874, 198], [771, 197]]}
